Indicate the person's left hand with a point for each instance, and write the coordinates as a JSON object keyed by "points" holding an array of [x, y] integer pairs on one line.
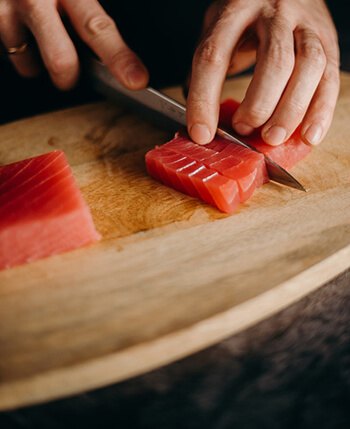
{"points": [[296, 78]]}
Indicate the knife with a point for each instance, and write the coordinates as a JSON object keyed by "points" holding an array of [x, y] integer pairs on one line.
{"points": [[154, 104]]}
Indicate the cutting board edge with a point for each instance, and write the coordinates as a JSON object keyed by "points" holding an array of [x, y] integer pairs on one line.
{"points": [[119, 366]]}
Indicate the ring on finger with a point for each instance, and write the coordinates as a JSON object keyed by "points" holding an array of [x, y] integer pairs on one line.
{"points": [[17, 50]]}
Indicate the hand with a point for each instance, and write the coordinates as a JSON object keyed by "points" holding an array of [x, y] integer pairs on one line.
{"points": [[43, 19], [296, 78]]}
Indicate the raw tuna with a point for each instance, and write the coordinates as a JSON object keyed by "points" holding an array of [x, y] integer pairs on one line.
{"points": [[42, 211], [189, 176], [244, 166], [286, 155], [220, 173]]}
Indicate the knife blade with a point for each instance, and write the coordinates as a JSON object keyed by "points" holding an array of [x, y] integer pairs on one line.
{"points": [[153, 102]]}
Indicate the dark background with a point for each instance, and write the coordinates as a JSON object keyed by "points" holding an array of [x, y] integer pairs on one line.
{"points": [[290, 371], [163, 33]]}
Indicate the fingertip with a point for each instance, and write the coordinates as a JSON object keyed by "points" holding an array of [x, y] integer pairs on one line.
{"points": [[66, 82], [29, 71], [243, 129], [200, 133], [63, 68], [64, 86], [136, 77], [275, 135], [312, 134]]}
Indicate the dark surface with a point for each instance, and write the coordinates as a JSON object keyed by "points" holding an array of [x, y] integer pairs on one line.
{"points": [[291, 371]]}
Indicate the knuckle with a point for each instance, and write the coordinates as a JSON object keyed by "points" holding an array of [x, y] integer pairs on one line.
{"points": [[30, 10], [313, 53], [230, 7], [27, 3], [273, 25], [62, 64], [331, 75], [325, 108], [333, 60], [280, 57], [310, 48], [5, 12], [256, 115], [27, 71], [296, 107], [122, 58], [277, 50], [332, 40], [100, 24], [200, 102], [208, 54]]}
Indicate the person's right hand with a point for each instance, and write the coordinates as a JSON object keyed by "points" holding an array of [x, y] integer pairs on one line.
{"points": [[42, 18]]}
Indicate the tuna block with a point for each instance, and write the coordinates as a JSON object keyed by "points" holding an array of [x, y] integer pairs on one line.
{"points": [[42, 211]]}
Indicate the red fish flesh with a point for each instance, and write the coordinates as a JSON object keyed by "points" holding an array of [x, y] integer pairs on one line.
{"points": [[287, 155], [220, 173], [42, 211]]}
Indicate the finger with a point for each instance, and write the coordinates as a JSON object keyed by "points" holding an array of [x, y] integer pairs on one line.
{"points": [[56, 47], [309, 67], [99, 32], [275, 62], [13, 34], [241, 61], [243, 58], [319, 116], [244, 55], [209, 68]]}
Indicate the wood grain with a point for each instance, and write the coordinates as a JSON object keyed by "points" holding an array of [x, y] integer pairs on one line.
{"points": [[172, 275]]}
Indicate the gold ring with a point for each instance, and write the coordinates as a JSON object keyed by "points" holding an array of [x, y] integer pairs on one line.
{"points": [[15, 50]]}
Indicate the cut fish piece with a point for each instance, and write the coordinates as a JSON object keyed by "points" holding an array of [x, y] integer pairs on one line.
{"points": [[228, 159], [193, 178], [220, 173], [42, 211], [245, 173], [287, 155], [182, 144]]}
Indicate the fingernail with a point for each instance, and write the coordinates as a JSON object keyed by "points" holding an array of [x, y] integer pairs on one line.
{"points": [[313, 134], [243, 129], [135, 75], [200, 133], [275, 135]]}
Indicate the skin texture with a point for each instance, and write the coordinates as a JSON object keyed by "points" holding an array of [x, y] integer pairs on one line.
{"points": [[296, 78], [42, 18], [293, 43]]}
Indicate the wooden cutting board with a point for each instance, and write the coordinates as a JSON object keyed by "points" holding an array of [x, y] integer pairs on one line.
{"points": [[171, 275]]}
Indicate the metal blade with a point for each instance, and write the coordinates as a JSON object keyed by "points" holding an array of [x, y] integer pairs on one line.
{"points": [[156, 103], [275, 171], [280, 175], [150, 103]]}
